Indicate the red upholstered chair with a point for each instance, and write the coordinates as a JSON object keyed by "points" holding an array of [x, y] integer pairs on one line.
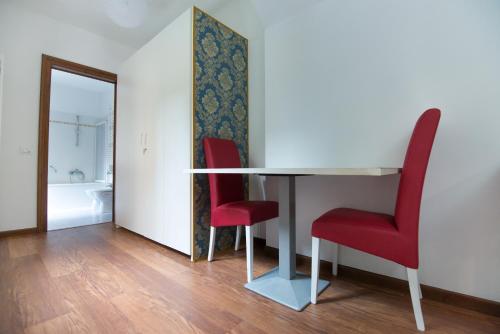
{"points": [[227, 198], [395, 237]]}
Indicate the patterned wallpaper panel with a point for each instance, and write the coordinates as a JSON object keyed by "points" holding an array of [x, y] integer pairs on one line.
{"points": [[220, 111]]}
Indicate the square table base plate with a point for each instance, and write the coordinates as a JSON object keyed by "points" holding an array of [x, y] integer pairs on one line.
{"points": [[295, 293]]}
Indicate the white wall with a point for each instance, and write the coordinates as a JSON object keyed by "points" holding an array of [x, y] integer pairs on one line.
{"points": [[77, 101], [23, 38], [241, 16], [93, 107], [65, 155], [1, 93], [345, 82]]}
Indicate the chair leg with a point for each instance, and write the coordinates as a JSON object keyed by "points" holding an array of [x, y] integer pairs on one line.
{"points": [[263, 187], [249, 239], [315, 269], [415, 298], [335, 260], [211, 245], [238, 238]]}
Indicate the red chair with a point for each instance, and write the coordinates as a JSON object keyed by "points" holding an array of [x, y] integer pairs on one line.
{"points": [[227, 198], [395, 237]]}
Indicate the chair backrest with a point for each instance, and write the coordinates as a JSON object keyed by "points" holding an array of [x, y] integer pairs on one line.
{"points": [[224, 188], [413, 175]]}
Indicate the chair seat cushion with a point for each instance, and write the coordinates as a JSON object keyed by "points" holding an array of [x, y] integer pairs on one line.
{"points": [[370, 232], [244, 213]]}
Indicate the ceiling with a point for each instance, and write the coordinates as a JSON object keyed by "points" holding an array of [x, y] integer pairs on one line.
{"points": [[78, 81], [92, 15], [274, 11]]}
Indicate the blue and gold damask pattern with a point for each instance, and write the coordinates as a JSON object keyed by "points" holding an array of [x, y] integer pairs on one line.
{"points": [[220, 111]]}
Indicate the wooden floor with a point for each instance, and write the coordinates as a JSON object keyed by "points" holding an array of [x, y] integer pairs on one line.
{"points": [[96, 279]]}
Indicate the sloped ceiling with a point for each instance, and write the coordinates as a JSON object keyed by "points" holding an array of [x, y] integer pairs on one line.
{"points": [[91, 15], [274, 11]]}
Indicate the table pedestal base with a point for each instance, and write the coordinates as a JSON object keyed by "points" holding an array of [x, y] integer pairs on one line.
{"points": [[295, 293]]}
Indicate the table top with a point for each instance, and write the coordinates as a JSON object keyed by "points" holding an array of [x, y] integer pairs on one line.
{"points": [[376, 171]]}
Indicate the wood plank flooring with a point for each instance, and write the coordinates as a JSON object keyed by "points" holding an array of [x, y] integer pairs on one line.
{"points": [[96, 279]]}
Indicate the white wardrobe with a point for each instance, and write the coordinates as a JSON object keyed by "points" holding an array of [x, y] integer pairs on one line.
{"points": [[154, 138], [188, 83]]}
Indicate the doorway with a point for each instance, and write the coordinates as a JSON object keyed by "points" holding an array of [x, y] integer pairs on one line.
{"points": [[76, 153]]}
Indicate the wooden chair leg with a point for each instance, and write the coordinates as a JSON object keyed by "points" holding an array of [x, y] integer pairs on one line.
{"points": [[211, 245], [315, 269], [249, 239], [415, 298]]}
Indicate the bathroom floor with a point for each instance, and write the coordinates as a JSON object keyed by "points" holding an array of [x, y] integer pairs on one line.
{"points": [[78, 204], [76, 217]]}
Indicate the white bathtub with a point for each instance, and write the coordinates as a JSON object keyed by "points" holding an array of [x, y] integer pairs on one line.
{"points": [[69, 205]]}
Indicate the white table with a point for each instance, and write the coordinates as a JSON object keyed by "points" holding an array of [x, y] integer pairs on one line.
{"points": [[284, 284]]}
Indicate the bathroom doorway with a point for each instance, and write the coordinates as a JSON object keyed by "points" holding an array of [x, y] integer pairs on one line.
{"points": [[76, 145]]}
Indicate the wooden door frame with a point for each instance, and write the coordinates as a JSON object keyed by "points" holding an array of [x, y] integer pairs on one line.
{"points": [[48, 64]]}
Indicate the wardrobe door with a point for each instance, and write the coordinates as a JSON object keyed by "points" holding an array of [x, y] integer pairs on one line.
{"points": [[175, 121], [152, 170], [129, 150], [148, 173]]}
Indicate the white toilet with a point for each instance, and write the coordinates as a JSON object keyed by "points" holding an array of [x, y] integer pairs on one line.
{"points": [[102, 200]]}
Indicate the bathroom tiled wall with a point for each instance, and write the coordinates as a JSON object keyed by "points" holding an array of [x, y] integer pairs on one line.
{"points": [[108, 151]]}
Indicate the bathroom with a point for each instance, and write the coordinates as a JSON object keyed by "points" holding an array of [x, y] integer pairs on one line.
{"points": [[81, 148]]}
